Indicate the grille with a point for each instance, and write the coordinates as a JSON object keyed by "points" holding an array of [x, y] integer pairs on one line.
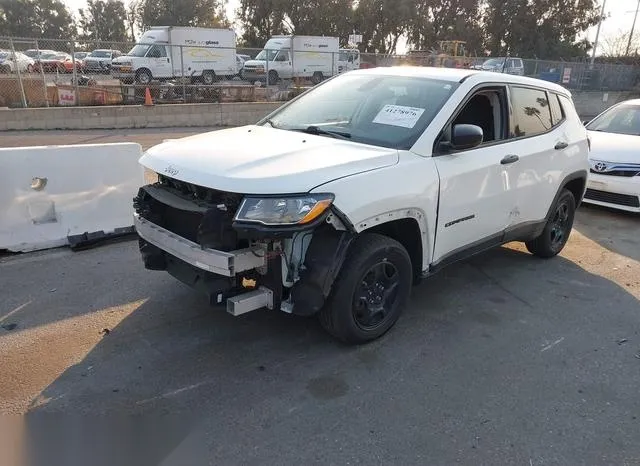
{"points": [[623, 173], [206, 219], [613, 198]]}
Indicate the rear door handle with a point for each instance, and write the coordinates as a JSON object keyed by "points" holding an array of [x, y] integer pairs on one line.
{"points": [[561, 146], [509, 159]]}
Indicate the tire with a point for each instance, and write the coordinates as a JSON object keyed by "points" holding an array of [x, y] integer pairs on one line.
{"points": [[273, 77], [143, 76], [317, 78], [208, 78], [357, 310], [30, 68], [556, 232]]}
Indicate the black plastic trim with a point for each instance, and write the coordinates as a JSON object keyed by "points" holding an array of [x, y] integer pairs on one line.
{"points": [[467, 251]]}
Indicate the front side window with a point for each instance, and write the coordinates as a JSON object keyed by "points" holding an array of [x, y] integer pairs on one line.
{"points": [[531, 112], [282, 56], [484, 109], [157, 51], [623, 119], [386, 111], [267, 55]]}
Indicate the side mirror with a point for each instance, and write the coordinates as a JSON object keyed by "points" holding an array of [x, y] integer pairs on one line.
{"points": [[586, 122], [466, 137]]}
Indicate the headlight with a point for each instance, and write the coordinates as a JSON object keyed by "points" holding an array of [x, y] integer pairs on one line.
{"points": [[298, 210]]}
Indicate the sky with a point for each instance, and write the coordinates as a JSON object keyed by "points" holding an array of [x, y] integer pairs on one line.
{"points": [[619, 16]]}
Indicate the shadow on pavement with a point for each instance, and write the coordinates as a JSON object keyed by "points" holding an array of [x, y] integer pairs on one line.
{"points": [[504, 359], [617, 231]]}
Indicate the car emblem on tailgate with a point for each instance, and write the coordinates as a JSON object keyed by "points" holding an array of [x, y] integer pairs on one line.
{"points": [[600, 167]]}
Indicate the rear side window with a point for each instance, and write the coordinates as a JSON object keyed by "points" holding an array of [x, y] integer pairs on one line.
{"points": [[556, 109], [531, 112]]}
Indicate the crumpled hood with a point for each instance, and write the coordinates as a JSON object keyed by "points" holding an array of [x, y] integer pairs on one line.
{"points": [[611, 147], [262, 160]]}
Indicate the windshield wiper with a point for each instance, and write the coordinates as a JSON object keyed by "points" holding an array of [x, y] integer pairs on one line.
{"points": [[315, 130], [271, 123]]}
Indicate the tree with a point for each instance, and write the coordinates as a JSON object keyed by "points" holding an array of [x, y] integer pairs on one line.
{"points": [[262, 19], [615, 46], [104, 21], [382, 23], [436, 20], [539, 28], [48, 19], [195, 13]]}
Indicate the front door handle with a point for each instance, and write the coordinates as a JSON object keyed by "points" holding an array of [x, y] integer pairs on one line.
{"points": [[509, 159], [561, 146]]}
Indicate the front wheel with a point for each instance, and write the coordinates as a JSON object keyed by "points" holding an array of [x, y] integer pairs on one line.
{"points": [[556, 232], [143, 77], [30, 68], [370, 291]]}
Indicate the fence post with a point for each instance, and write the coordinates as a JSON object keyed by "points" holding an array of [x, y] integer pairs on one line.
{"points": [[44, 79], [75, 73], [24, 97], [333, 64], [266, 67], [184, 83]]}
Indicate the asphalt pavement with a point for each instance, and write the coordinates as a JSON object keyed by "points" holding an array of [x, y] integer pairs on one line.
{"points": [[503, 359]]}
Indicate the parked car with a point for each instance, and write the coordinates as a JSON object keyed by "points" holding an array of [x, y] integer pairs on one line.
{"points": [[338, 201], [509, 65], [615, 157], [10, 62], [52, 62], [37, 53], [77, 59], [99, 61]]}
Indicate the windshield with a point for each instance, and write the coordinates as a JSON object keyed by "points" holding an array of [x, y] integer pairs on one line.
{"points": [[100, 54], [494, 62], [48, 55], [386, 111], [138, 50], [263, 55], [624, 119]]}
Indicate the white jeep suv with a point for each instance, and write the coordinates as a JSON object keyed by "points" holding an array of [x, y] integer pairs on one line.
{"points": [[338, 201]]}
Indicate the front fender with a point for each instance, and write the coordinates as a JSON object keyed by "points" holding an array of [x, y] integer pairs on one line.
{"points": [[409, 189]]}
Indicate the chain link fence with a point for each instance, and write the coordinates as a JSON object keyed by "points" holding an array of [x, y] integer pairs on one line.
{"points": [[46, 73]]}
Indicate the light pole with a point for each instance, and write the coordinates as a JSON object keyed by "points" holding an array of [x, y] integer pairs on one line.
{"points": [[595, 44], [633, 28]]}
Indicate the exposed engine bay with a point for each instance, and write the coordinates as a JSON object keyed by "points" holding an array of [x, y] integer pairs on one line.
{"points": [[298, 265]]}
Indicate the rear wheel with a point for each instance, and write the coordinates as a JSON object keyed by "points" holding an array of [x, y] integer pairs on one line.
{"points": [[317, 77], [370, 291], [556, 232], [208, 78]]}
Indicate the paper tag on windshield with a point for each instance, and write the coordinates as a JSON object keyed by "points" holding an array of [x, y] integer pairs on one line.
{"points": [[397, 115]]}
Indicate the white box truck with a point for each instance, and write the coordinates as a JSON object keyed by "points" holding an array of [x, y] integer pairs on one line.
{"points": [[287, 57], [168, 52]]}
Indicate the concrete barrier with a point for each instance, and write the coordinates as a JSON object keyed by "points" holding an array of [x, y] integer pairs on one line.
{"points": [[135, 116], [67, 195]]}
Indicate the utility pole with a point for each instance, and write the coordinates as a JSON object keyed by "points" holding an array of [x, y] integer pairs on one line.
{"points": [[595, 45], [633, 28]]}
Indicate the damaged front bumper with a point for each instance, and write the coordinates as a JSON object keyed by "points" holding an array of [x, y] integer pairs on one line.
{"points": [[227, 264]]}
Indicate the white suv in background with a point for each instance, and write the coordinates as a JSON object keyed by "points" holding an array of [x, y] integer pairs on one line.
{"points": [[615, 157], [336, 203]]}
